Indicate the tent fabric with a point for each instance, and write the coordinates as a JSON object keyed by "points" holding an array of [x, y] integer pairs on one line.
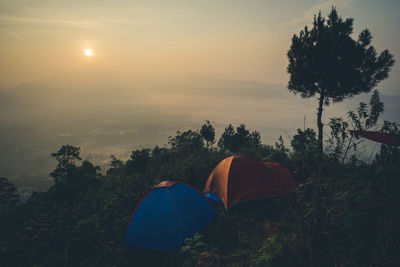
{"points": [[240, 179], [167, 215], [384, 138], [214, 197]]}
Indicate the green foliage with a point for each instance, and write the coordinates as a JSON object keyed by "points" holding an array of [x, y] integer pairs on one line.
{"points": [[270, 251], [192, 249]]}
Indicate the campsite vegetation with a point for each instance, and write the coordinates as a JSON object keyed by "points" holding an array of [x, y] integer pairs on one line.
{"points": [[345, 211]]}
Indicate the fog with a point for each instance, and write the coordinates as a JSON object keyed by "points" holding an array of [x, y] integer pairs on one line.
{"points": [[107, 114]]}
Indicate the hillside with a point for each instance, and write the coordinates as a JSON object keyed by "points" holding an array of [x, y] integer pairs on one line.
{"points": [[343, 213]]}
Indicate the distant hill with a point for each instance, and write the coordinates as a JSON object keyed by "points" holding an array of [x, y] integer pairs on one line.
{"points": [[109, 114]]}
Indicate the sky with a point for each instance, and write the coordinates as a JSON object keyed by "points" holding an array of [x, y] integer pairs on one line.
{"points": [[235, 39]]}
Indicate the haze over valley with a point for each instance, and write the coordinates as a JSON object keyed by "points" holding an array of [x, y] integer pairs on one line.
{"points": [[106, 114]]}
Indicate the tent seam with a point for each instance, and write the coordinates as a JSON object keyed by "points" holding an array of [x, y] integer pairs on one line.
{"points": [[227, 184], [175, 213]]}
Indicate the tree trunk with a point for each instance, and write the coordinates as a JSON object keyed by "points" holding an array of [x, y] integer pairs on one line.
{"points": [[320, 124]]}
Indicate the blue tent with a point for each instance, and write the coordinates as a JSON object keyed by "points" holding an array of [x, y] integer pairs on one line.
{"points": [[167, 215]]}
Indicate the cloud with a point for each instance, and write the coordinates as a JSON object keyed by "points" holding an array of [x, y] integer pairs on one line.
{"points": [[47, 21], [14, 34], [325, 7], [66, 23], [138, 16]]}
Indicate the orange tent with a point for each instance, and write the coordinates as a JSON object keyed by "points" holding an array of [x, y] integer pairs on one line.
{"points": [[241, 178]]}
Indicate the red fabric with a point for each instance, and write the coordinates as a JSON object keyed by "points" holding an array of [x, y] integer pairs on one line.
{"points": [[384, 138], [241, 178]]}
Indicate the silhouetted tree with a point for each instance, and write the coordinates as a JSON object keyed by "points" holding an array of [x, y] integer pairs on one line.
{"points": [[9, 197], [188, 141], [305, 154], [304, 141], [233, 141], [117, 166], [389, 155], [280, 153], [226, 140], [67, 156], [326, 61], [208, 133], [138, 161]]}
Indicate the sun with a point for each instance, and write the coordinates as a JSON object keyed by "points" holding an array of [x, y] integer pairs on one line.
{"points": [[88, 52]]}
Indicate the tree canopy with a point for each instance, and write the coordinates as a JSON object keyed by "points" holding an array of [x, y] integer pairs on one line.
{"points": [[234, 141], [66, 156], [208, 133], [9, 197], [326, 61]]}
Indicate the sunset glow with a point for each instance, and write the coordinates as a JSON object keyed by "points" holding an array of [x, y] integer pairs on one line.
{"points": [[187, 133], [88, 52]]}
